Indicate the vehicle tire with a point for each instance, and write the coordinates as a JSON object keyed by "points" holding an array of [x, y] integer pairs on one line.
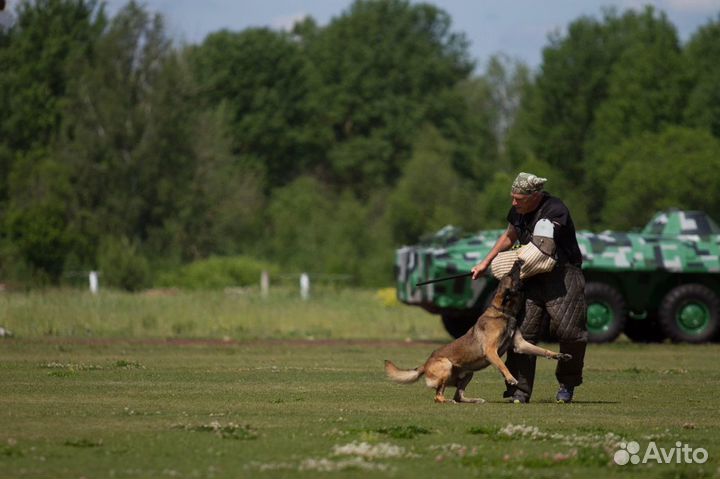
{"points": [[690, 313], [457, 325], [606, 315], [644, 330]]}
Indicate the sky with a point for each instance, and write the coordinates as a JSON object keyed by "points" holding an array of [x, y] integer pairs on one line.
{"points": [[518, 28]]}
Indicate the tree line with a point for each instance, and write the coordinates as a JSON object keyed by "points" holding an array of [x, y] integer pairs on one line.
{"points": [[323, 148]]}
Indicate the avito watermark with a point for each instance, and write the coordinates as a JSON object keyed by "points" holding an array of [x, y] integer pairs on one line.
{"points": [[680, 454]]}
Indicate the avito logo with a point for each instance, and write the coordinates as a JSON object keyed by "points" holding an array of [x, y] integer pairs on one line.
{"points": [[680, 454]]}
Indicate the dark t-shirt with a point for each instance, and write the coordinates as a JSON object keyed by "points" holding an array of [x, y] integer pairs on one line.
{"points": [[553, 209]]}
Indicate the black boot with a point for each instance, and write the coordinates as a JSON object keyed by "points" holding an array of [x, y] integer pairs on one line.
{"points": [[522, 367]]}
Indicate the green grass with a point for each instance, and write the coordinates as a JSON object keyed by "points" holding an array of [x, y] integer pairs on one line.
{"points": [[303, 409], [89, 388], [235, 314]]}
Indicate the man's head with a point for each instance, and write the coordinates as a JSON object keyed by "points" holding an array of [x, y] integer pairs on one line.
{"points": [[526, 192]]}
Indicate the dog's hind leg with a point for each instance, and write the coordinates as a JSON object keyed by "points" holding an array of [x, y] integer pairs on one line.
{"points": [[523, 347], [440, 393], [462, 383], [437, 375]]}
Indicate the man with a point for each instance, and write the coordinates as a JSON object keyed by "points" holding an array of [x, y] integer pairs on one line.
{"points": [[558, 295]]}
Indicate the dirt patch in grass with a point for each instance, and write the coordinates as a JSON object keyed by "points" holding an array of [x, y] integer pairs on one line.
{"points": [[225, 431]]}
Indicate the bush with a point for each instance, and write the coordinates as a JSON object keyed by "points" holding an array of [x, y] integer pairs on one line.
{"points": [[15, 272], [216, 273], [121, 265]]}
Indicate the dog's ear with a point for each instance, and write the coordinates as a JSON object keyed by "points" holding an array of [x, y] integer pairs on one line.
{"points": [[515, 270]]}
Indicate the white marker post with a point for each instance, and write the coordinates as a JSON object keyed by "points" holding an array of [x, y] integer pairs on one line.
{"points": [[304, 286], [93, 278], [264, 284]]}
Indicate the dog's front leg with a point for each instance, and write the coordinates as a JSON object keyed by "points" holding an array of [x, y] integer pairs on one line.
{"points": [[492, 355], [523, 347], [460, 393]]}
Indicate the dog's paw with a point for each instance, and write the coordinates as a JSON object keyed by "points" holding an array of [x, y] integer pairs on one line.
{"points": [[512, 381], [564, 357]]}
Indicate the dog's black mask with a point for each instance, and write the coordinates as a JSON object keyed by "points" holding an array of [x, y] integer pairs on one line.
{"points": [[516, 283], [510, 293]]}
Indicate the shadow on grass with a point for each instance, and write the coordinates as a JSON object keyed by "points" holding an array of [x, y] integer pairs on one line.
{"points": [[550, 401]]}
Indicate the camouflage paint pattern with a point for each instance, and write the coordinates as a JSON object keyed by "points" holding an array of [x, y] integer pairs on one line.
{"points": [[672, 242]]}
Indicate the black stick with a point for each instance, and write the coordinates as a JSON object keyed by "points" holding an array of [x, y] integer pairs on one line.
{"points": [[437, 280]]}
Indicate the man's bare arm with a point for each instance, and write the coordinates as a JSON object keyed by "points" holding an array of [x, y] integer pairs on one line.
{"points": [[504, 242]]}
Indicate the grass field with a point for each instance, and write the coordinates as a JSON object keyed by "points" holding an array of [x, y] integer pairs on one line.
{"points": [[102, 406], [236, 314]]}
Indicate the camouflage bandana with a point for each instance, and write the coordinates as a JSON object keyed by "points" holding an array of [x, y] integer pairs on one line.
{"points": [[527, 183]]}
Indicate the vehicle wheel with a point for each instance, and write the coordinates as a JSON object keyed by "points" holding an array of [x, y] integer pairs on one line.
{"points": [[644, 330], [690, 313], [606, 313], [457, 325]]}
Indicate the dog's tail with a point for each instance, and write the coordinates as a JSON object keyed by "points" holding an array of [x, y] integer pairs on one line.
{"points": [[403, 376]]}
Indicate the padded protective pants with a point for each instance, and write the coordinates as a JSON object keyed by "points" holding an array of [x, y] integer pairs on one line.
{"points": [[560, 297]]}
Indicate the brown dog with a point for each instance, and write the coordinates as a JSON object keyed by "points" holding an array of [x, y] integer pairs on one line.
{"points": [[482, 345]]}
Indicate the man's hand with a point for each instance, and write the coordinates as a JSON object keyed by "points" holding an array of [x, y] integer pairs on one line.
{"points": [[503, 243], [479, 269]]}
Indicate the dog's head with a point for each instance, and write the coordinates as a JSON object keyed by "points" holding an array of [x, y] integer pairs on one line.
{"points": [[509, 294]]}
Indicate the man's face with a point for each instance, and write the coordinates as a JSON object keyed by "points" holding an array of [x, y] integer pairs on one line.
{"points": [[524, 203]]}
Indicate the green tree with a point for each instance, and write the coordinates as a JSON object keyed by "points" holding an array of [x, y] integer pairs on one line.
{"points": [[470, 130], [268, 85], [430, 194], [300, 215], [36, 193], [36, 221], [646, 91], [601, 83], [128, 138], [494, 104], [508, 80], [703, 109], [358, 241], [122, 265], [376, 251], [35, 56], [675, 168], [385, 68], [493, 203], [222, 210], [313, 229], [572, 82]]}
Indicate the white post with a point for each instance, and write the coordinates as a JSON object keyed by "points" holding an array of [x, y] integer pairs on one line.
{"points": [[264, 283], [304, 286], [93, 278]]}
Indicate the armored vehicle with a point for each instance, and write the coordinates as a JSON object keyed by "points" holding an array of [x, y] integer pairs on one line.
{"points": [[660, 282]]}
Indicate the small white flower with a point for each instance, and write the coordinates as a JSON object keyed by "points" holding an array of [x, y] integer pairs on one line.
{"points": [[368, 451]]}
